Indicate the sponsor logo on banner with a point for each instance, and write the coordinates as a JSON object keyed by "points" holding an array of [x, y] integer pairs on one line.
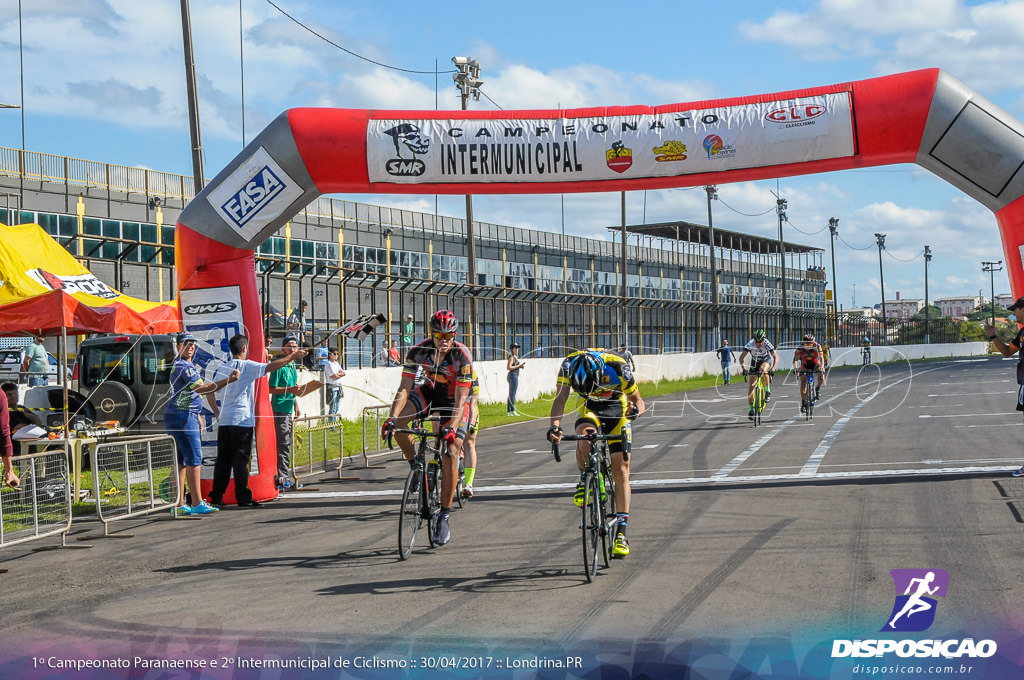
{"points": [[914, 610], [717, 149], [670, 152], [619, 158], [210, 308], [796, 115], [521, 150], [81, 283], [257, 192], [407, 137]]}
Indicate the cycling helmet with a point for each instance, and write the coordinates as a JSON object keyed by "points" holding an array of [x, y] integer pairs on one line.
{"points": [[759, 334], [585, 373], [809, 339], [443, 321]]}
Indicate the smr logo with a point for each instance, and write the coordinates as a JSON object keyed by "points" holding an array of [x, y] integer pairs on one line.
{"points": [[916, 590], [409, 136]]}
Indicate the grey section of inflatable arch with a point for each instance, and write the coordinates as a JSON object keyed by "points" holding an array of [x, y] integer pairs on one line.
{"points": [[973, 144], [278, 141]]}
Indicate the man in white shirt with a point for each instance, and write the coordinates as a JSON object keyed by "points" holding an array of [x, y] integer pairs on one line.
{"points": [[237, 421], [333, 373]]}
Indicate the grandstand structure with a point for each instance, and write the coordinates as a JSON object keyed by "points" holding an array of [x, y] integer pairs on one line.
{"points": [[548, 291]]}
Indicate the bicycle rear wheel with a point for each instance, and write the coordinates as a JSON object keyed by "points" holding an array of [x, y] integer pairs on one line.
{"points": [[590, 522], [409, 515], [810, 397], [460, 484], [759, 399]]}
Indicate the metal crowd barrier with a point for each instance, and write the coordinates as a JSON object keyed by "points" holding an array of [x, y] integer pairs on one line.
{"points": [[324, 429], [41, 506], [133, 477], [376, 412]]}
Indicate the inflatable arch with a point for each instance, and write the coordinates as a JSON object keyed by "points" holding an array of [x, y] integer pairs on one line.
{"points": [[925, 117]]}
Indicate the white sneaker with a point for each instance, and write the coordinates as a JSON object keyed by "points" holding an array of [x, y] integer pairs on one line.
{"points": [[467, 491]]}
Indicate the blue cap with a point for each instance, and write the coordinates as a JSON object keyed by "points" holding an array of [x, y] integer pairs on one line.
{"points": [[289, 338], [185, 336]]}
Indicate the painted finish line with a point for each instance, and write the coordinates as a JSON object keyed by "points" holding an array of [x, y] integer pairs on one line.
{"points": [[966, 471]]}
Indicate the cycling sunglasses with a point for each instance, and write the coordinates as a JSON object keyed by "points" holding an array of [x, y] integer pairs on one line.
{"points": [[444, 336]]}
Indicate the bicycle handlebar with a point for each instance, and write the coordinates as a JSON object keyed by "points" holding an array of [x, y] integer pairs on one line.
{"points": [[595, 437]]}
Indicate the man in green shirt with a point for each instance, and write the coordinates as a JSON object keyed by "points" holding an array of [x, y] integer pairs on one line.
{"points": [[283, 390]]}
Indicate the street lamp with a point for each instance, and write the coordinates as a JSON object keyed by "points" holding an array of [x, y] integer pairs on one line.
{"points": [[992, 268], [927, 259], [880, 240], [467, 81], [780, 207], [716, 329]]}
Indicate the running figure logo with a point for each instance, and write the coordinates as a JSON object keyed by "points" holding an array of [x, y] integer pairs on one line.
{"points": [[914, 609]]}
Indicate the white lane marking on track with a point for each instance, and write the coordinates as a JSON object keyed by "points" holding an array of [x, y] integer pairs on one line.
{"points": [[650, 446], [686, 481], [965, 415]]}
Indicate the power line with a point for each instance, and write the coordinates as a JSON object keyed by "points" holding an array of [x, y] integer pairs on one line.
{"points": [[806, 233], [901, 260], [738, 212], [348, 51], [872, 245]]}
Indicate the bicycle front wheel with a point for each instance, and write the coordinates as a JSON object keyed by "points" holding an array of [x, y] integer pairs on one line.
{"points": [[432, 503], [590, 522], [409, 515], [460, 485], [609, 519]]}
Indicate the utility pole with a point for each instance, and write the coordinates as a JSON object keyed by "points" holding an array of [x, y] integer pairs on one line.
{"points": [[467, 80], [193, 100], [927, 259], [780, 207], [716, 329], [833, 225], [880, 240]]}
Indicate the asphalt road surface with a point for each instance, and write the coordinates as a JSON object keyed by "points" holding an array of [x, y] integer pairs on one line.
{"points": [[785, 532]]}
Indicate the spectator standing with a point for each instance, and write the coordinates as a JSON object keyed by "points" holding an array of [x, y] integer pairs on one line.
{"points": [[408, 331], [384, 354], [333, 373], [1008, 349], [283, 390], [296, 323], [237, 421], [321, 354], [624, 352], [513, 366], [394, 356], [183, 422], [36, 363], [270, 343], [725, 355], [6, 445]]}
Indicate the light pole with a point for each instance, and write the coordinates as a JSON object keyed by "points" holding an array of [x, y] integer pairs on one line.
{"points": [[193, 99], [467, 81], [716, 330], [780, 207], [927, 259], [880, 240], [992, 268], [833, 225]]}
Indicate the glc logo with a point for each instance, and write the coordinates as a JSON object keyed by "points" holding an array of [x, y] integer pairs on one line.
{"points": [[796, 114], [211, 308], [914, 609]]}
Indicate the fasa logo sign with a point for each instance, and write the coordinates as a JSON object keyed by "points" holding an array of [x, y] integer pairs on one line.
{"points": [[258, 192]]}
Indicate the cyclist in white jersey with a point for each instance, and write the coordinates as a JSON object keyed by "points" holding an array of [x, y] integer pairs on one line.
{"points": [[763, 359]]}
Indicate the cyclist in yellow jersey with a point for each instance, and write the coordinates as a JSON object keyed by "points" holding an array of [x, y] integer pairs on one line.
{"points": [[469, 443], [608, 397]]}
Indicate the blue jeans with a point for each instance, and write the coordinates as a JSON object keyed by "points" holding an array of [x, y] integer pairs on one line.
{"points": [[333, 400], [37, 380], [725, 370], [513, 386]]}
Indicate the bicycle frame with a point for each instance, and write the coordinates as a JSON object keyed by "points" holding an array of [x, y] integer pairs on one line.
{"points": [[598, 518], [760, 397]]}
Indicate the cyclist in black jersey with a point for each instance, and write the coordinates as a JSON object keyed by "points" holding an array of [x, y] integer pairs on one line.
{"points": [[436, 379]]}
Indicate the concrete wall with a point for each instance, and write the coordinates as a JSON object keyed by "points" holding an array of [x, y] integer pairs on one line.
{"points": [[377, 386]]}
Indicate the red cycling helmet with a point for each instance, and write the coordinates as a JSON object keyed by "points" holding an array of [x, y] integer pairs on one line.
{"points": [[444, 321], [809, 339]]}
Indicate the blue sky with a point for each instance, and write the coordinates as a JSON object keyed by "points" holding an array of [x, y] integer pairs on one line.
{"points": [[104, 81]]}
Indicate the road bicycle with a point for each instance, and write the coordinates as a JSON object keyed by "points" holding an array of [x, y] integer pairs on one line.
{"points": [[866, 355], [460, 483], [808, 403], [760, 395], [598, 519], [421, 495]]}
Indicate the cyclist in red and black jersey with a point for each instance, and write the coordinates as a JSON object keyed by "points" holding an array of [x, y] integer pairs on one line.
{"points": [[807, 357], [436, 379]]}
